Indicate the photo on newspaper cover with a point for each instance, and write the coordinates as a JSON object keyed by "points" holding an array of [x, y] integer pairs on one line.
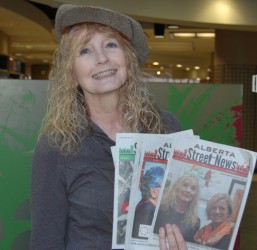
{"points": [[204, 194], [126, 170], [149, 187]]}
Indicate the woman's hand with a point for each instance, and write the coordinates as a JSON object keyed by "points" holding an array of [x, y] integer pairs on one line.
{"points": [[174, 238]]}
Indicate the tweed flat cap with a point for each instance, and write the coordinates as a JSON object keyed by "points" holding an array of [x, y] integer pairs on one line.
{"points": [[69, 14]]}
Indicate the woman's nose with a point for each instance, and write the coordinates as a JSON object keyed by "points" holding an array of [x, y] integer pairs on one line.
{"points": [[217, 210], [101, 56]]}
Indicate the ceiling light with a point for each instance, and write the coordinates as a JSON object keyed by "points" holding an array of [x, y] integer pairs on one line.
{"points": [[197, 67], [183, 34], [156, 63], [179, 65], [205, 35], [173, 26]]}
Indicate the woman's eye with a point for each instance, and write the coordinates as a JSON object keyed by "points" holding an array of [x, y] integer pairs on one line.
{"points": [[112, 45], [84, 51]]}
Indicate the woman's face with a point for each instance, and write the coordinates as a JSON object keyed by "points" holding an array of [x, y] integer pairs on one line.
{"points": [[187, 189], [100, 65], [219, 211]]}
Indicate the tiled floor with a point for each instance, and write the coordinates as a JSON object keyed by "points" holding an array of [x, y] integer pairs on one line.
{"points": [[248, 227]]}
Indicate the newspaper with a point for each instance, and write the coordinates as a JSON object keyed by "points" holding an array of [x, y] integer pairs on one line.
{"points": [[213, 170], [149, 169], [219, 170], [124, 154]]}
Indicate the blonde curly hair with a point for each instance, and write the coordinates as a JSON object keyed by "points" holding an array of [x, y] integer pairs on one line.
{"points": [[67, 120]]}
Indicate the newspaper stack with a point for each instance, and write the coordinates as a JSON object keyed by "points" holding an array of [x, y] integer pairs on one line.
{"points": [[148, 170]]}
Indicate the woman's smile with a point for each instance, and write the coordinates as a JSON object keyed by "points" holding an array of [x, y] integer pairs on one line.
{"points": [[105, 74]]}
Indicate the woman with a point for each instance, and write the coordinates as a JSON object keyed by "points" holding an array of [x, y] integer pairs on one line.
{"points": [[179, 206], [96, 90], [218, 233], [150, 190]]}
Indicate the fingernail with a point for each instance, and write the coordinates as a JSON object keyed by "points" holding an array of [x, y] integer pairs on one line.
{"points": [[162, 231]]}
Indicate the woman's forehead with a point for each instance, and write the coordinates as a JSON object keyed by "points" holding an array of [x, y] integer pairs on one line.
{"points": [[220, 201], [85, 35], [190, 180]]}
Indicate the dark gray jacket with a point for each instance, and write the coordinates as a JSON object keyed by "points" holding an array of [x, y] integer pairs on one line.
{"points": [[72, 196]]}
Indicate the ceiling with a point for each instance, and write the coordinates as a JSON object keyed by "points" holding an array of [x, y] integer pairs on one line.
{"points": [[33, 39]]}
